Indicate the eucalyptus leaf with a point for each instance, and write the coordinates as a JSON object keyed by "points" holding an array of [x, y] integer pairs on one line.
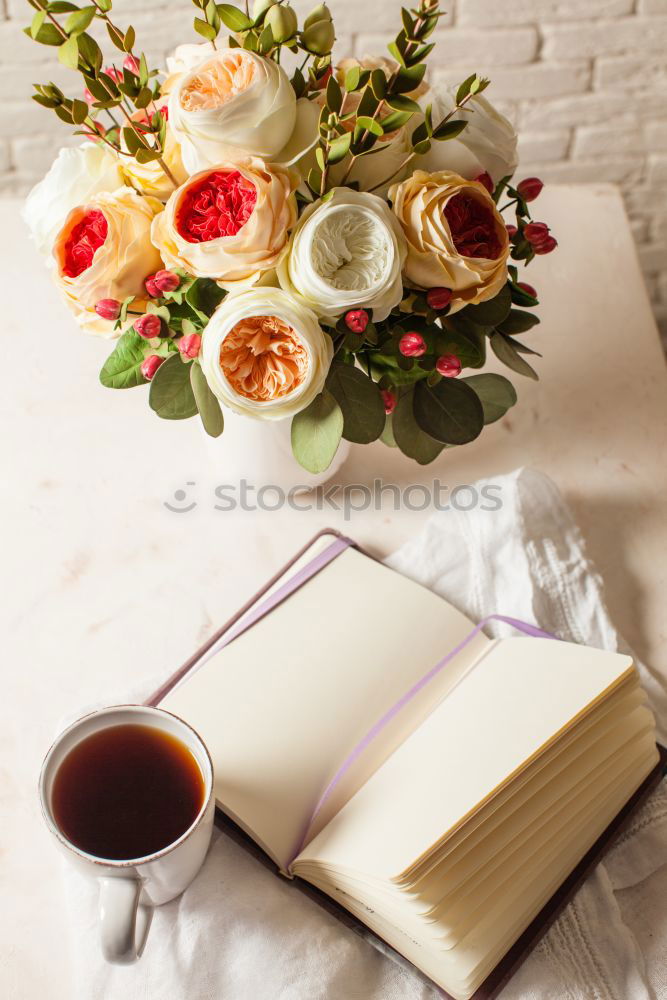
{"points": [[171, 395], [77, 22], [207, 402], [409, 436], [360, 401], [122, 369], [47, 34], [450, 411], [68, 53], [203, 296], [233, 18], [316, 433], [518, 321], [493, 311], [387, 436], [496, 394], [448, 130], [509, 356]]}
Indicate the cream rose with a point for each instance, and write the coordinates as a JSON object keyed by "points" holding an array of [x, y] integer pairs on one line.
{"points": [[264, 354], [75, 176], [236, 104], [231, 223], [346, 252], [104, 251], [456, 237], [487, 144]]}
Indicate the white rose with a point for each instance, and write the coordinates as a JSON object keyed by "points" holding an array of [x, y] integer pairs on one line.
{"points": [[186, 56], [237, 104], [74, 177], [346, 252], [264, 354], [488, 143]]}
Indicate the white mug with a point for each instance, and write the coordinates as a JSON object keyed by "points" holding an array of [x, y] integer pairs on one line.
{"points": [[130, 889]]}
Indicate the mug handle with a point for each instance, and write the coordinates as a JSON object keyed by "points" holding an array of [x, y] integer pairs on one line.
{"points": [[124, 923]]}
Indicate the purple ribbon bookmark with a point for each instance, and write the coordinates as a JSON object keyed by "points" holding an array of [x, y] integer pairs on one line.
{"points": [[399, 705]]}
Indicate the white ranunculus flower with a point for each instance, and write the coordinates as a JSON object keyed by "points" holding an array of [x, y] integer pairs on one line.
{"points": [[264, 354], [346, 252], [74, 177], [488, 143], [236, 104]]}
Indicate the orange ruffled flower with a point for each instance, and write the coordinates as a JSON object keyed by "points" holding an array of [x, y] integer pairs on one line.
{"points": [[263, 359]]}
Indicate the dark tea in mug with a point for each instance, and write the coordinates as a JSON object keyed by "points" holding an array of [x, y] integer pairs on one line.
{"points": [[127, 791]]}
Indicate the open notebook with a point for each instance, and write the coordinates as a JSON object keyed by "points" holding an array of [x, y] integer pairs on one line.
{"points": [[450, 826]]}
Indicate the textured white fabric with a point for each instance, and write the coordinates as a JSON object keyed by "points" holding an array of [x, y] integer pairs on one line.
{"points": [[241, 933]]}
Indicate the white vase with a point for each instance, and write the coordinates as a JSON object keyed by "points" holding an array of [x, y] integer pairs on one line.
{"points": [[260, 452]]}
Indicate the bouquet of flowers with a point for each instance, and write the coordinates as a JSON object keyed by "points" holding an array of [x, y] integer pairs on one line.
{"points": [[267, 230]]}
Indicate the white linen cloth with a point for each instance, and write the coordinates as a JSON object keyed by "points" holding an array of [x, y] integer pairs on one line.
{"points": [[241, 933]]}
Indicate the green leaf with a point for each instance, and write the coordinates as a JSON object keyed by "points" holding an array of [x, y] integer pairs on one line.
{"points": [[360, 401], [77, 22], [204, 296], [518, 322], [493, 311], [496, 394], [171, 395], [334, 95], [37, 22], [352, 78], [204, 29], [450, 411], [116, 36], [121, 369], [316, 433], [80, 112], [68, 53], [399, 102], [396, 120], [370, 125], [448, 130], [340, 147], [509, 356], [48, 34], [464, 88], [378, 83], [90, 51], [207, 402], [387, 436], [410, 438], [233, 18], [464, 338], [409, 78]]}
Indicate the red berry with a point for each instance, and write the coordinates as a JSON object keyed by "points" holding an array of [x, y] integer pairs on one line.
{"points": [[511, 231], [448, 365], [439, 298], [148, 326], [389, 400], [536, 232], [151, 287], [412, 345], [131, 64], [486, 181], [150, 365], [108, 308], [356, 320], [190, 345], [528, 289], [546, 246], [530, 188], [166, 281]]}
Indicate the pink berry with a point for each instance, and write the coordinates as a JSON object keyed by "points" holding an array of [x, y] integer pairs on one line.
{"points": [[528, 289], [166, 281], [448, 365], [389, 400], [108, 308], [151, 287], [511, 231], [438, 298], [150, 366], [536, 232], [530, 188], [148, 326], [131, 65], [356, 320], [412, 345], [190, 345], [546, 246], [486, 181]]}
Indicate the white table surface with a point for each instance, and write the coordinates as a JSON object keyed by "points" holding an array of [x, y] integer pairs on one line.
{"points": [[103, 585]]}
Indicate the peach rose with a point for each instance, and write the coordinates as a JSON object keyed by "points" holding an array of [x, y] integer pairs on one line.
{"points": [[104, 251], [230, 223], [456, 237]]}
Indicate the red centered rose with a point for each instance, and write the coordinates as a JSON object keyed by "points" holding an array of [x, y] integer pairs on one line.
{"points": [[472, 227], [86, 237], [218, 205]]}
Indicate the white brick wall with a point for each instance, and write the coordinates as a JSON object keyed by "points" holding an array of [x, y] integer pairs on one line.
{"points": [[584, 80]]}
